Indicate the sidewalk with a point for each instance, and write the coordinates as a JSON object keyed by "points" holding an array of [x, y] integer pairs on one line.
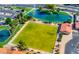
{"points": [[65, 39]]}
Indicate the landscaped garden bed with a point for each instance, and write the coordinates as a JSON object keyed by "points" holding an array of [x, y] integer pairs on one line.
{"points": [[38, 36]]}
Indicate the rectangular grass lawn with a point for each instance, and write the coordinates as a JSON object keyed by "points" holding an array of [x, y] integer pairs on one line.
{"points": [[38, 36]]}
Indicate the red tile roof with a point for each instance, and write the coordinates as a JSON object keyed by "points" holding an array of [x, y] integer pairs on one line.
{"points": [[66, 27]]}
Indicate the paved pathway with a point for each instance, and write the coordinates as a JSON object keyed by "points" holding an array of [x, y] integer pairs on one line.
{"points": [[65, 40]]}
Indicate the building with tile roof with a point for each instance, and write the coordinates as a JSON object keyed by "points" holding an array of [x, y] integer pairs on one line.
{"points": [[66, 28]]}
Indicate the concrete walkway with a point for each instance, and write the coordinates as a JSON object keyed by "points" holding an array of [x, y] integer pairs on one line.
{"points": [[65, 40]]}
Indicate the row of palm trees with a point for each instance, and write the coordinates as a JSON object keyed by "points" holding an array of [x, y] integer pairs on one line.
{"points": [[52, 8]]}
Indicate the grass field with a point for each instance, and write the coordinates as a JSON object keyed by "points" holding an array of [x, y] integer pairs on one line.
{"points": [[38, 36]]}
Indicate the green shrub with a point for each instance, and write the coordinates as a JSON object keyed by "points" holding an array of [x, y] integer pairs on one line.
{"points": [[45, 11]]}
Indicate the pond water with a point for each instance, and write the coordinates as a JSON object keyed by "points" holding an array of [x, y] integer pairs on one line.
{"points": [[57, 18], [4, 34]]}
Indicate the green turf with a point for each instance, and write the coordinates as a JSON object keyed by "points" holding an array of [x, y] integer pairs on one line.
{"points": [[4, 27], [38, 36]]}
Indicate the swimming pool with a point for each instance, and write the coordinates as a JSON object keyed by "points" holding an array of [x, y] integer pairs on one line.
{"points": [[57, 18], [4, 34]]}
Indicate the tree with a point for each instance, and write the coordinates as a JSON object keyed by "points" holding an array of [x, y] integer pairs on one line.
{"points": [[12, 27], [22, 21], [58, 10], [60, 37], [21, 18], [14, 22], [8, 21], [40, 8], [51, 6], [27, 17], [69, 20], [21, 45]]}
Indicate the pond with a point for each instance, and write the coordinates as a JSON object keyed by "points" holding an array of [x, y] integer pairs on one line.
{"points": [[4, 34], [56, 18]]}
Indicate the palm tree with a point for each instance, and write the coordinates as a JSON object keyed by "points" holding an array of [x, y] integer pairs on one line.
{"points": [[15, 22], [60, 37], [21, 45], [20, 18], [51, 6], [40, 8], [8, 21], [58, 10]]}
